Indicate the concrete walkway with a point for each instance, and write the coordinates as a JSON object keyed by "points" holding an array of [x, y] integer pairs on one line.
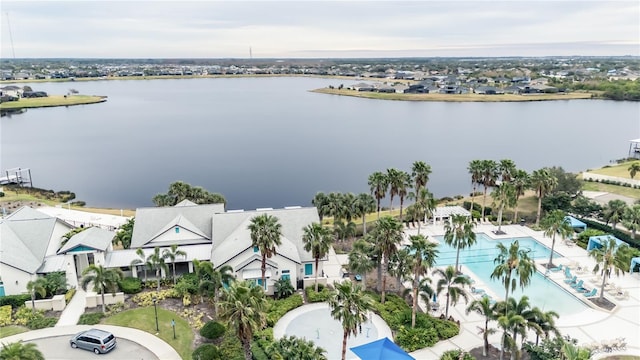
{"points": [[153, 343], [71, 313]]}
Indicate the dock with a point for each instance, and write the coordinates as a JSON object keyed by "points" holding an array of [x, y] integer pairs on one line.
{"points": [[16, 176]]}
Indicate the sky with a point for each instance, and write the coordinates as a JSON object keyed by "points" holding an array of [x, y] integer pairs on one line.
{"points": [[318, 29]]}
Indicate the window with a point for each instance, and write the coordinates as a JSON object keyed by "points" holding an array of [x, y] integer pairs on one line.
{"points": [[285, 275], [255, 249], [177, 230], [308, 269]]}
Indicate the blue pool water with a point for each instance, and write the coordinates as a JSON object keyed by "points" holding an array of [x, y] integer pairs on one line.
{"points": [[542, 292]]}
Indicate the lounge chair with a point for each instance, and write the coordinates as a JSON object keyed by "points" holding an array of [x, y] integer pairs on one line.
{"points": [[477, 291], [567, 272], [591, 293], [622, 295], [358, 277], [571, 281], [578, 285]]}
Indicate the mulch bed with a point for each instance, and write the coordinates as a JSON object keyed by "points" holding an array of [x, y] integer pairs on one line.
{"points": [[603, 303]]}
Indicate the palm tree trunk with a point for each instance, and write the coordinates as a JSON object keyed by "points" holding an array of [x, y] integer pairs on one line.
{"points": [[419, 222], [553, 244], [504, 340], [539, 208], [215, 302], [515, 213], [158, 278], [378, 208], [390, 205], [500, 218], [484, 200], [446, 312], [263, 268], [385, 269], [485, 337], [401, 201], [104, 308], [415, 301], [457, 257], [379, 284], [604, 281], [246, 346], [33, 301], [473, 198], [174, 272], [316, 274], [364, 224], [514, 350], [344, 344]]}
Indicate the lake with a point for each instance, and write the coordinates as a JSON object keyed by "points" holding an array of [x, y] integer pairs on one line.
{"points": [[269, 142]]}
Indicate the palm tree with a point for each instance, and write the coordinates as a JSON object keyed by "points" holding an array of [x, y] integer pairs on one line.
{"points": [[484, 307], [458, 233], [265, 235], [365, 203], [453, 284], [401, 266], [378, 184], [546, 323], [425, 291], [510, 260], [291, 347], [424, 255], [521, 183], [507, 323], [543, 182], [388, 236], [20, 351], [504, 196], [320, 202], [610, 258], [395, 180], [244, 306], [317, 239], [334, 206], [634, 169], [343, 230], [156, 262], [172, 254], [348, 207], [507, 169], [103, 279], [423, 205], [420, 172], [521, 308], [349, 304], [614, 211], [574, 352], [34, 287], [475, 170], [555, 223], [124, 234], [631, 219], [489, 177], [142, 260], [403, 189], [360, 259]]}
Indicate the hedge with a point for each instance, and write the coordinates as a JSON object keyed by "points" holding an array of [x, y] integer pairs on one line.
{"points": [[212, 330], [130, 285], [14, 300], [90, 318], [278, 308], [206, 352], [615, 232], [322, 295]]}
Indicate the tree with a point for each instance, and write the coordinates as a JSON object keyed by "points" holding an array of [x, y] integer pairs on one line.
{"points": [[424, 255], [489, 177], [458, 233], [20, 351], [179, 191], [388, 235], [513, 267], [320, 202], [423, 205], [282, 288], [401, 266], [555, 223], [172, 254], [614, 211], [103, 279], [484, 307], [573, 352], [317, 239], [566, 182], [521, 182], [546, 323], [543, 182], [343, 230], [507, 170], [634, 169], [211, 280], [334, 207], [475, 170], [395, 180], [244, 306], [453, 285], [508, 322], [156, 263], [585, 207], [631, 219], [365, 204], [266, 232], [349, 304], [291, 347], [403, 189], [360, 259], [504, 196], [420, 172], [610, 258], [55, 283], [124, 234], [378, 184], [36, 287], [523, 309]]}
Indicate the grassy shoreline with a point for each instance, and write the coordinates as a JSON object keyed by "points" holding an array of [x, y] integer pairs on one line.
{"points": [[52, 101], [454, 97]]}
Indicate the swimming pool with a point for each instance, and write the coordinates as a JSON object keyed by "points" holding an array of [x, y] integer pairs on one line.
{"points": [[542, 292]]}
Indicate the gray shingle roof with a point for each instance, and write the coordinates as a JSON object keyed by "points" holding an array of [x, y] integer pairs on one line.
{"points": [[93, 237], [122, 258], [150, 221]]}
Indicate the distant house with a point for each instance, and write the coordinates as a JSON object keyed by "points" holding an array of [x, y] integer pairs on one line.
{"points": [[362, 87], [488, 90], [11, 90], [415, 89], [385, 89], [34, 94], [400, 89]]}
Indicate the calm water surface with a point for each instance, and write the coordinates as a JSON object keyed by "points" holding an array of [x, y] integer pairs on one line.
{"points": [[268, 142]]}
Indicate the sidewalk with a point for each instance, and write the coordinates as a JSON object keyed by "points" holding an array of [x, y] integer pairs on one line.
{"points": [[71, 313]]}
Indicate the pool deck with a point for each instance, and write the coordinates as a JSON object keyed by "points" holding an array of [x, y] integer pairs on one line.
{"points": [[590, 326]]}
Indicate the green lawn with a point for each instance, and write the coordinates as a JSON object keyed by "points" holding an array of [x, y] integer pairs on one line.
{"points": [[619, 170], [144, 319], [614, 189], [53, 100], [11, 330]]}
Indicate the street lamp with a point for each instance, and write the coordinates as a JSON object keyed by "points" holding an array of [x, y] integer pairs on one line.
{"points": [[155, 307]]}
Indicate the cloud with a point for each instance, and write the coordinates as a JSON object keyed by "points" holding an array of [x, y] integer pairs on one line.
{"points": [[294, 28]]}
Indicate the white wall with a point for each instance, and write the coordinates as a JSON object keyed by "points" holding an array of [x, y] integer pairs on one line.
{"points": [[283, 264], [54, 241], [15, 281], [171, 236]]}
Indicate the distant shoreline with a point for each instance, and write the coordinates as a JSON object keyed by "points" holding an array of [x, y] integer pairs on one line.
{"points": [[51, 101]]}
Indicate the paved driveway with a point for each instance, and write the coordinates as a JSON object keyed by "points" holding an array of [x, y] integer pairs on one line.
{"points": [[57, 347]]}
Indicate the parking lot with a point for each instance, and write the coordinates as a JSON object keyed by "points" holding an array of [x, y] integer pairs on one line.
{"points": [[58, 348]]}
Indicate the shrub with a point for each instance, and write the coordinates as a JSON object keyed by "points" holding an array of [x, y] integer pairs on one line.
{"points": [[322, 295], [5, 315], [257, 352], [445, 329], [278, 308], [130, 285], [15, 301], [1, 194], [455, 355], [24, 315], [69, 295], [206, 352], [187, 284], [90, 318], [212, 330], [146, 298], [411, 339], [41, 322]]}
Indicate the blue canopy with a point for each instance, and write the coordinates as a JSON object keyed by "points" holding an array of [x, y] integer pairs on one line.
{"points": [[596, 241], [575, 223], [634, 262], [382, 349]]}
